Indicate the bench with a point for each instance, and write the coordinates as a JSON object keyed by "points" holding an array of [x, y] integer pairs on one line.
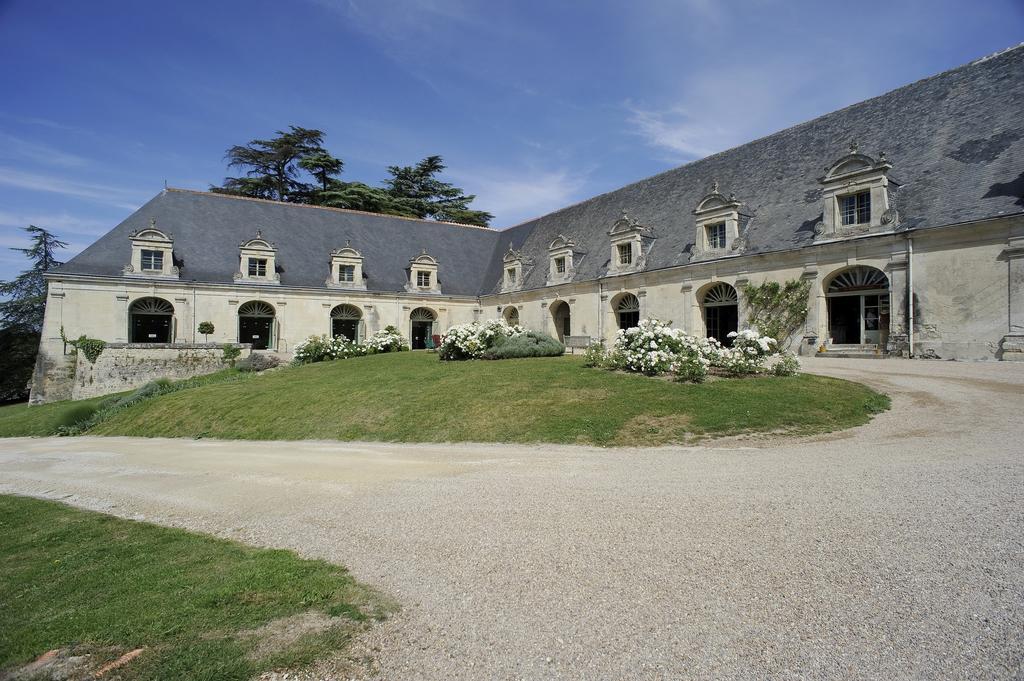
{"points": [[573, 342]]}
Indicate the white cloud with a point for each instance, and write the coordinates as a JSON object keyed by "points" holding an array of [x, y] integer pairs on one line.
{"points": [[62, 223], [674, 130], [514, 197], [114, 196], [12, 147]]}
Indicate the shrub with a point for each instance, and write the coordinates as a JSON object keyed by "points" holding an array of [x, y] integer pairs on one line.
{"points": [[653, 347], [595, 355], [323, 348], [691, 369], [75, 415], [258, 362], [231, 353], [528, 344], [788, 365], [388, 340], [470, 341], [748, 353]]}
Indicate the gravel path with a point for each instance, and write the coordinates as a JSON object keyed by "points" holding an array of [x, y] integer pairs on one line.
{"points": [[887, 552]]}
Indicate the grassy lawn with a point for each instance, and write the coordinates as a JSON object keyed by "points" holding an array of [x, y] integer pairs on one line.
{"points": [[21, 420], [412, 397], [104, 586]]}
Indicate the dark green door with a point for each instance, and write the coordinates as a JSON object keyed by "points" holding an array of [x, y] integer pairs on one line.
{"points": [[255, 330]]}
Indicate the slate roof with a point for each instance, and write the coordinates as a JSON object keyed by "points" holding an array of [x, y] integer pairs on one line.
{"points": [[955, 141], [207, 229]]}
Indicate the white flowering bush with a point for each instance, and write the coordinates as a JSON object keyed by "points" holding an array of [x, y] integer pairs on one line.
{"points": [[323, 348], [387, 340], [749, 351], [649, 348], [469, 341], [788, 365]]}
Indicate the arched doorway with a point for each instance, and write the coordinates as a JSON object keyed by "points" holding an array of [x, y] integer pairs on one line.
{"points": [[627, 311], [151, 320], [421, 327], [858, 306], [511, 315], [256, 324], [562, 316], [721, 312], [345, 321]]}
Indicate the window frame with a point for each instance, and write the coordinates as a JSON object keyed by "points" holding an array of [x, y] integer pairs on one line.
{"points": [[560, 264], [346, 273], [156, 260], [859, 208], [715, 233], [257, 267], [625, 253], [510, 274], [420, 274]]}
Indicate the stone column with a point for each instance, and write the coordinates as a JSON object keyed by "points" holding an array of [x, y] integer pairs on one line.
{"points": [[1011, 348], [686, 323], [121, 319], [814, 333], [742, 314], [899, 331]]}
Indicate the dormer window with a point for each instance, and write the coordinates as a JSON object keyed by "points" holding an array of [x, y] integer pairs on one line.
{"points": [[719, 226], [257, 267], [625, 254], [346, 269], [423, 275], [152, 261], [716, 235], [258, 262], [152, 254], [514, 263], [855, 197], [855, 209], [631, 243], [563, 258]]}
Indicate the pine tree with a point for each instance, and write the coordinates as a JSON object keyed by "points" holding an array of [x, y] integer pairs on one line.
{"points": [[272, 169], [21, 314], [419, 190]]}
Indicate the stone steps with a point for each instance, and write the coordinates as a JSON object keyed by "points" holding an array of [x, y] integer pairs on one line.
{"points": [[854, 351]]}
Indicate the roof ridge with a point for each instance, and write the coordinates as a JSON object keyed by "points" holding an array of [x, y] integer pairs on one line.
{"points": [[330, 208], [795, 126]]}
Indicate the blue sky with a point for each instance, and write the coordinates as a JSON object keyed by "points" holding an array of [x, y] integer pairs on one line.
{"points": [[534, 104]]}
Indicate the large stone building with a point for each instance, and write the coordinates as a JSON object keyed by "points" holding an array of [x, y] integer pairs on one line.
{"points": [[905, 212]]}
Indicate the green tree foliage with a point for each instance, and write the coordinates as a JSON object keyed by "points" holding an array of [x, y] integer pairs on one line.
{"points": [[777, 310], [419, 188], [21, 313], [294, 166]]}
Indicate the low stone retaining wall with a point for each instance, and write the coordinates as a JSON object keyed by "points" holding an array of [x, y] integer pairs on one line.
{"points": [[126, 366]]}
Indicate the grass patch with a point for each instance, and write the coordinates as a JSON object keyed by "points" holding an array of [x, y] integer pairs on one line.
{"points": [[202, 608], [21, 420], [412, 397]]}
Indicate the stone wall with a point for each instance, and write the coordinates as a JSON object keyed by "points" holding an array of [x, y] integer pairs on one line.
{"points": [[125, 366], [121, 367]]}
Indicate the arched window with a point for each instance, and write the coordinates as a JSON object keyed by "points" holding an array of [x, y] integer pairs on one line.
{"points": [[627, 311], [345, 321], [858, 306], [511, 314], [721, 312], [256, 324], [562, 317], [421, 327], [151, 320]]}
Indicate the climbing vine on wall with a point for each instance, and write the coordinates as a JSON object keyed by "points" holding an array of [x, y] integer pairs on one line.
{"points": [[777, 310], [90, 347]]}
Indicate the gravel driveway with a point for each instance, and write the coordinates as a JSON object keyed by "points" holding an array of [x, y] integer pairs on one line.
{"points": [[886, 552]]}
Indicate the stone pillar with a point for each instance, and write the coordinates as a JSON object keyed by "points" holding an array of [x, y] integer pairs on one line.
{"points": [[121, 319], [742, 314], [641, 296], [898, 342], [814, 327], [686, 323], [1011, 348], [184, 325]]}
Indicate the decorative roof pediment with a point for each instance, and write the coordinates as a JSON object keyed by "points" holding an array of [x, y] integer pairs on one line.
{"points": [[258, 243], [423, 259], [512, 255], [561, 242], [346, 252], [853, 164], [151, 233], [715, 200], [627, 226]]}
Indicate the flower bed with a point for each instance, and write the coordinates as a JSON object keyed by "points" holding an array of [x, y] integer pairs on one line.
{"points": [[324, 348], [653, 347], [470, 341], [388, 340]]}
